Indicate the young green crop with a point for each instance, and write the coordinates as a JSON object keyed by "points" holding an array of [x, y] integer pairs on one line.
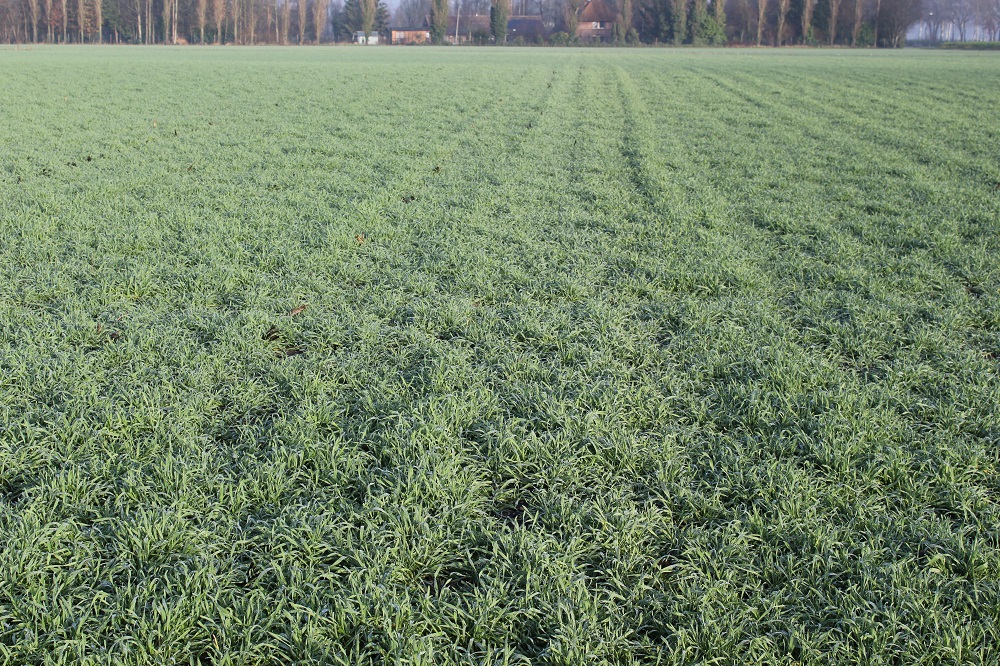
{"points": [[607, 356]]}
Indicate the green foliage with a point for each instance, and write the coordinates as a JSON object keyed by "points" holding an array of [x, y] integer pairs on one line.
{"points": [[708, 31], [970, 46], [499, 13], [654, 21], [589, 374], [696, 17], [353, 18], [678, 21], [866, 36], [618, 33], [559, 39], [439, 20]]}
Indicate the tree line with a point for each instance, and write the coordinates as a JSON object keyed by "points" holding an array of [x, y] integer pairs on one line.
{"points": [[188, 21], [745, 22]]}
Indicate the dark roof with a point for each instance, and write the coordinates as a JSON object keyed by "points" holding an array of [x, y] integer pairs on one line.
{"points": [[598, 10], [528, 27]]}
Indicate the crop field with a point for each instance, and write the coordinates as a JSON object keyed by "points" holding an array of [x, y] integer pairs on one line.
{"points": [[499, 356]]}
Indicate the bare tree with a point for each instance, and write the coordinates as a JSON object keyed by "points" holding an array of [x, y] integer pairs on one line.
{"points": [[301, 13], [320, 8], [235, 5], [834, 10], [878, 8], [33, 9], [286, 20], [856, 30], [201, 11], [896, 17], [991, 18], [411, 13], [960, 13], [169, 29], [249, 12], [807, 19], [219, 14], [761, 18], [48, 20], [783, 6]]}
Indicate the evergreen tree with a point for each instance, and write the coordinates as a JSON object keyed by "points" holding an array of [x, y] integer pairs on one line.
{"points": [[439, 20], [499, 13]]}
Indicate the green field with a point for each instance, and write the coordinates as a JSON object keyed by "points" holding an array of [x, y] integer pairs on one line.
{"points": [[644, 356]]}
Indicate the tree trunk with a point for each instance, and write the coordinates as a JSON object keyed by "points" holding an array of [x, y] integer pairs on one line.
{"points": [[783, 6], [48, 21], [301, 7], [319, 18], [761, 10], [219, 15], [33, 9], [252, 21], [286, 20], [168, 13], [807, 19], [857, 23], [202, 7], [834, 10]]}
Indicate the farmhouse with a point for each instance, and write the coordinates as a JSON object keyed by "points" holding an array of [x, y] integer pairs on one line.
{"points": [[596, 21], [473, 28]]}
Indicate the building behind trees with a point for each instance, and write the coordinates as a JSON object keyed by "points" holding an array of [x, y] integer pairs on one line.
{"points": [[859, 23]]}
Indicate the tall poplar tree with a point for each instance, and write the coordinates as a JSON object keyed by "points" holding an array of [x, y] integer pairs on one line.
{"points": [[320, 10], [761, 18], [439, 20], [368, 8], [783, 7], [807, 19], [301, 9], [678, 20], [834, 10], [499, 13]]}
